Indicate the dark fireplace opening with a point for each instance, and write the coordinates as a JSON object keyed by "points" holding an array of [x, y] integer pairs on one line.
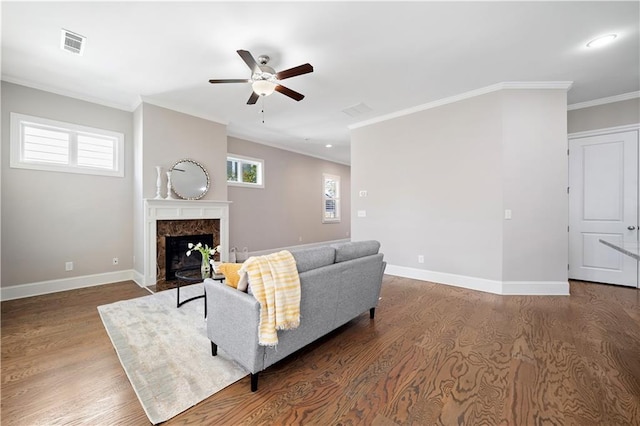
{"points": [[176, 253]]}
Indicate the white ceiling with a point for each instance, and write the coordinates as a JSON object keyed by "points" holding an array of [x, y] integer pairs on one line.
{"points": [[389, 56]]}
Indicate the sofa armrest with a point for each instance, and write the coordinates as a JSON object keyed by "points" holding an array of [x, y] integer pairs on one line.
{"points": [[232, 324]]}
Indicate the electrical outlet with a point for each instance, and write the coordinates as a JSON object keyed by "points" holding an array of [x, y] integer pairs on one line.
{"points": [[68, 266], [420, 258], [299, 239], [115, 260]]}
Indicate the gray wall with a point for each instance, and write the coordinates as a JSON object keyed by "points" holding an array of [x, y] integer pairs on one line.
{"points": [[288, 210], [433, 187], [138, 194], [164, 136], [534, 175], [49, 218], [169, 136], [438, 182], [604, 116]]}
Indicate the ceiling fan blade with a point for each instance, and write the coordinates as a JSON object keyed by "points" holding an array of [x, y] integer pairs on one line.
{"points": [[230, 80], [290, 93], [295, 71], [253, 98], [248, 59]]}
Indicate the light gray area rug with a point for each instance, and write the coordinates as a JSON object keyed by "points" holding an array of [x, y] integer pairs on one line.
{"points": [[166, 353]]}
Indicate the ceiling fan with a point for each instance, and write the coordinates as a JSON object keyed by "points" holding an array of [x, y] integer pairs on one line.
{"points": [[265, 80]]}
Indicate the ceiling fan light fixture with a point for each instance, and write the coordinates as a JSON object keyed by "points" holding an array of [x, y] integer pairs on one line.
{"points": [[265, 80], [263, 87]]}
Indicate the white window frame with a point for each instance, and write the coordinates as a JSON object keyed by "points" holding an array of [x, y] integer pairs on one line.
{"points": [[325, 198], [17, 160], [247, 160]]}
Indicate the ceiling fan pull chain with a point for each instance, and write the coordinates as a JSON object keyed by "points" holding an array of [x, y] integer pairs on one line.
{"points": [[262, 109]]}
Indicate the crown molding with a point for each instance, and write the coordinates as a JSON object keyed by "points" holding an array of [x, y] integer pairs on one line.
{"points": [[69, 94], [509, 85], [284, 148], [177, 108], [603, 101]]}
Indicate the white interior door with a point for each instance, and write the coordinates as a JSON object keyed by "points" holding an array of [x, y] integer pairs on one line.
{"points": [[603, 203]]}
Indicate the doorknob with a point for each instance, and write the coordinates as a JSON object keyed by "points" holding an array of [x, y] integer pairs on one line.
{"points": [[631, 228]]}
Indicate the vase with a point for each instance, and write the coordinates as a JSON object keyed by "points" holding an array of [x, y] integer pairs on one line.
{"points": [[169, 196], [158, 183], [205, 268]]}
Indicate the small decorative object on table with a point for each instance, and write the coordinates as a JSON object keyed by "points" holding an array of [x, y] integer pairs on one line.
{"points": [[207, 257]]}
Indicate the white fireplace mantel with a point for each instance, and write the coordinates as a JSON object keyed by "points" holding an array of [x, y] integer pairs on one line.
{"points": [[157, 209]]}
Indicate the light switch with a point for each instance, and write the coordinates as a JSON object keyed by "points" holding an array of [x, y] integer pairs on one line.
{"points": [[507, 214], [362, 213], [363, 193]]}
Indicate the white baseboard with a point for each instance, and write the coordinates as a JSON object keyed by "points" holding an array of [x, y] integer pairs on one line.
{"points": [[535, 288], [547, 288], [539, 288], [138, 278], [54, 286]]}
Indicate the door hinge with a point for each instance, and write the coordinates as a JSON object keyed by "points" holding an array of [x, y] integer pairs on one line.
{"points": [[567, 152], [568, 189], [567, 229], [568, 268]]}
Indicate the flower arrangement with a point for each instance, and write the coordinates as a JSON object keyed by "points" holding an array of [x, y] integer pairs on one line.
{"points": [[206, 252], [207, 257]]}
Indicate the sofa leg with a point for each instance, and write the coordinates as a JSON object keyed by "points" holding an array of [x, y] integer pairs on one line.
{"points": [[214, 349], [254, 382], [372, 313]]}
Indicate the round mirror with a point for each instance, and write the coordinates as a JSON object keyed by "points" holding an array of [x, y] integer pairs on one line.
{"points": [[189, 179]]}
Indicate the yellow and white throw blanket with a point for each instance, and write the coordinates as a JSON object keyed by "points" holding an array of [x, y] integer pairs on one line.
{"points": [[275, 284]]}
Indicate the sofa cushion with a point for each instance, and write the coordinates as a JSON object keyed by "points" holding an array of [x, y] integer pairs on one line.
{"points": [[355, 249], [312, 258], [230, 271]]}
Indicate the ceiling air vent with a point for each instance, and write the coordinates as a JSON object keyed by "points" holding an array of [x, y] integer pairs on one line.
{"points": [[72, 42], [357, 110]]}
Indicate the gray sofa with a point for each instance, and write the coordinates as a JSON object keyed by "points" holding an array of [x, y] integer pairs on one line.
{"points": [[337, 283]]}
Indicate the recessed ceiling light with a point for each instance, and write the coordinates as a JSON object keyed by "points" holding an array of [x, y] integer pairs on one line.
{"points": [[602, 40], [328, 145]]}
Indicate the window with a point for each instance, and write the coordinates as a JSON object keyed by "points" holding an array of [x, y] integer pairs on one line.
{"points": [[245, 171], [42, 144], [331, 198]]}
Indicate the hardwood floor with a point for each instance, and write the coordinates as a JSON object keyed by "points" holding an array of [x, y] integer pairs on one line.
{"points": [[434, 355]]}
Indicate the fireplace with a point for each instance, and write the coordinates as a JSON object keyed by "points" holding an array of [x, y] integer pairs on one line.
{"points": [[205, 231], [174, 218], [176, 253]]}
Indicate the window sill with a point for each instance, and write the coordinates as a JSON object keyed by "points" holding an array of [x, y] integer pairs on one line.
{"points": [[245, 185]]}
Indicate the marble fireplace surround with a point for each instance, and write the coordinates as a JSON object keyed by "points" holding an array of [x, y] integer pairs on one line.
{"points": [[176, 210], [190, 230]]}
